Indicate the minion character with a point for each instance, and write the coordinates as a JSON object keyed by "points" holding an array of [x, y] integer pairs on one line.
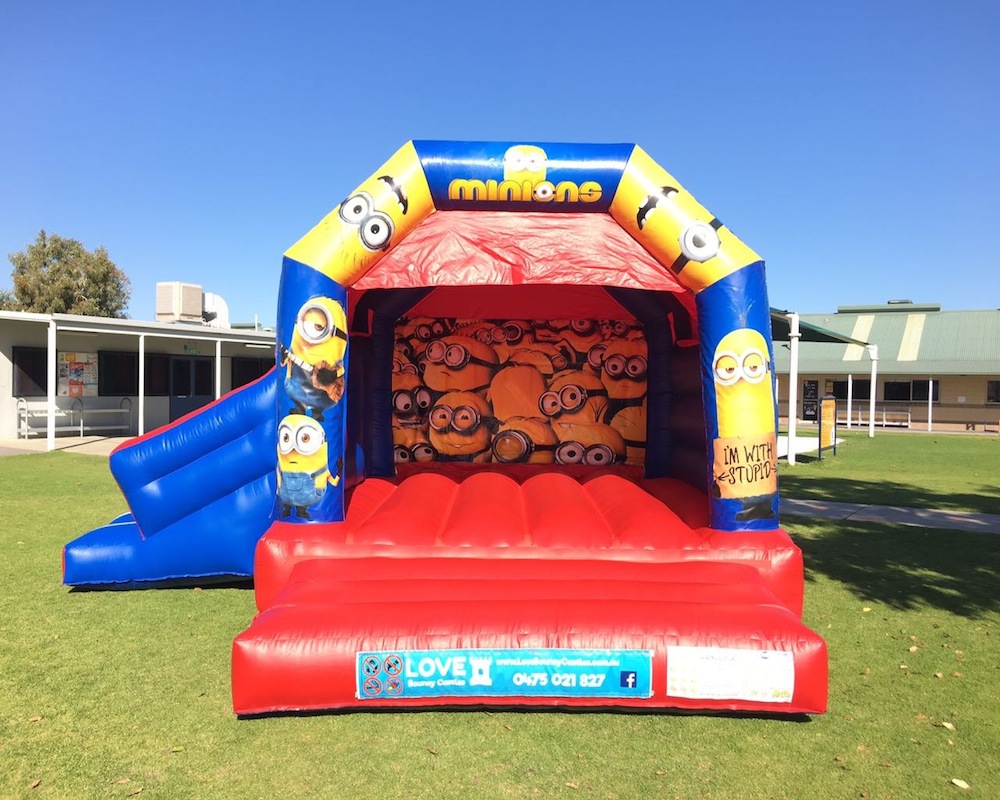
{"points": [[574, 396], [630, 422], [525, 163], [411, 400], [303, 465], [620, 329], [525, 440], [410, 446], [460, 427], [379, 213], [745, 454], [515, 391], [504, 337], [574, 337], [402, 359], [668, 222], [314, 363], [624, 367], [415, 334], [458, 363], [593, 445], [549, 358], [529, 357]]}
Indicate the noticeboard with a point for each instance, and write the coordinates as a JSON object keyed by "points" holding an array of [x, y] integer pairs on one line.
{"points": [[77, 373], [827, 424]]}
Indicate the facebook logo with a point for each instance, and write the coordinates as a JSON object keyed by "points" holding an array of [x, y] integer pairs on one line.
{"points": [[628, 680]]}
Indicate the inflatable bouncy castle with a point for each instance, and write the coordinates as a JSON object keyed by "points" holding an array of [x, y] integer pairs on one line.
{"points": [[519, 448]]}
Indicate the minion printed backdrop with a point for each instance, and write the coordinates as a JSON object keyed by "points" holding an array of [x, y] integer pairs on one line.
{"points": [[519, 391]]}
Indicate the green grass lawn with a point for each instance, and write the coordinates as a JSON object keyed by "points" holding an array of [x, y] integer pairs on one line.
{"points": [[126, 694], [953, 472]]}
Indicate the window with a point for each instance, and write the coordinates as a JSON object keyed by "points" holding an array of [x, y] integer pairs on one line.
{"points": [[860, 390], [204, 376], [246, 370], [117, 373], [29, 372], [992, 391], [920, 391], [896, 391], [157, 375]]}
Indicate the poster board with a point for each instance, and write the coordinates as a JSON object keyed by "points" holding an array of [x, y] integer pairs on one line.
{"points": [[827, 424], [77, 374]]}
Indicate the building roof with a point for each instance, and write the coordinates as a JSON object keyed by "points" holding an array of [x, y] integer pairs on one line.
{"points": [[918, 340]]}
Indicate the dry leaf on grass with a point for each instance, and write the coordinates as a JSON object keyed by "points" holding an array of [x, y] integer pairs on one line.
{"points": [[35, 783]]}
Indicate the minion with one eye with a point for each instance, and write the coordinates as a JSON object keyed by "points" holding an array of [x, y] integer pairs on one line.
{"points": [[303, 466], [745, 465], [314, 362], [525, 440], [671, 225], [592, 445], [458, 363], [460, 427]]}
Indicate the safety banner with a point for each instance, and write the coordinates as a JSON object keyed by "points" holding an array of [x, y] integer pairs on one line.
{"points": [[504, 672]]}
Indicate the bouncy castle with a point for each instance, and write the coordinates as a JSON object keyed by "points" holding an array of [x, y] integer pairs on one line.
{"points": [[518, 449]]}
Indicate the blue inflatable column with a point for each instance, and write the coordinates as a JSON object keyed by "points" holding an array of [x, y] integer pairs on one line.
{"points": [[312, 357], [740, 410]]}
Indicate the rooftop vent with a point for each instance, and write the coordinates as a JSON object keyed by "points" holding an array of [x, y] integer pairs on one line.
{"points": [[179, 302]]}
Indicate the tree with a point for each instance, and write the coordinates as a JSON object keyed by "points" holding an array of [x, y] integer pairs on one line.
{"points": [[54, 275]]}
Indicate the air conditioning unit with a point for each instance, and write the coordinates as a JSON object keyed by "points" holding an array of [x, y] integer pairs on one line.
{"points": [[179, 302]]}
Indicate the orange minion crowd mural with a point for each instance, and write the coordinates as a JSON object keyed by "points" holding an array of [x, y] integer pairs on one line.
{"points": [[519, 391]]}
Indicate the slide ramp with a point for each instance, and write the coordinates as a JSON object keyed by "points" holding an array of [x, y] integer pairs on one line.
{"points": [[200, 493]]}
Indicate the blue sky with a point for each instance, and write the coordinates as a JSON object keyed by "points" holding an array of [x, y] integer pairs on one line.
{"points": [[855, 145]]}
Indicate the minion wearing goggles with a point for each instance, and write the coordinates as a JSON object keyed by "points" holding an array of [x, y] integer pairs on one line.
{"points": [[314, 361]]}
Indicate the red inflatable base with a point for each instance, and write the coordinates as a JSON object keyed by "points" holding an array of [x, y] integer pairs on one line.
{"points": [[372, 632]]}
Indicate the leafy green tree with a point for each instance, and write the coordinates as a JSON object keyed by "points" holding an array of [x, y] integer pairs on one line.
{"points": [[54, 275]]}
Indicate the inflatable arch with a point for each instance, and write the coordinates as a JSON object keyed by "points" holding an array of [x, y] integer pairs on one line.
{"points": [[470, 221], [519, 448]]}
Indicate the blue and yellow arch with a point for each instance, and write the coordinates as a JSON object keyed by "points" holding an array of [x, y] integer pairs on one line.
{"points": [[723, 274]]}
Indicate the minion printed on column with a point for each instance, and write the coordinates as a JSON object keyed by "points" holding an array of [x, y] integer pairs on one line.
{"points": [[371, 221], [314, 359], [745, 463], [303, 465], [669, 223]]}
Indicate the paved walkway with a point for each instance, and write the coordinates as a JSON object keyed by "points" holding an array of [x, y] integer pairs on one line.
{"points": [[893, 515], [815, 509]]}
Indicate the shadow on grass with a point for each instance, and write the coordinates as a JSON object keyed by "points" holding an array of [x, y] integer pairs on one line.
{"points": [[906, 568], [985, 499]]}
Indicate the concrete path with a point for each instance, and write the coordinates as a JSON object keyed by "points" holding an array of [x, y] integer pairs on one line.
{"points": [[892, 515]]}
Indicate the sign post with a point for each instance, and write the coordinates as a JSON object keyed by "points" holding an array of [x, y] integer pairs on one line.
{"points": [[827, 424]]}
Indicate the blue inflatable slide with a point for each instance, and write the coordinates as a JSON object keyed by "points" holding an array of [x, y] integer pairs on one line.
{"points": [[217, 467]]}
